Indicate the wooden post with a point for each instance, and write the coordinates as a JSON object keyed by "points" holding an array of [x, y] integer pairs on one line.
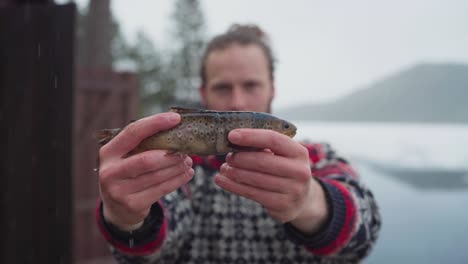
{"points": [[103, 99], [36, 91]]}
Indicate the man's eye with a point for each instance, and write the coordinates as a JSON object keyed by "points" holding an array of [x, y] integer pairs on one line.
{"points": [[250, 86], [222, 88]]}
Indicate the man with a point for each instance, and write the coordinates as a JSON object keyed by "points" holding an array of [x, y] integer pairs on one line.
{"points": [[294, 203]]}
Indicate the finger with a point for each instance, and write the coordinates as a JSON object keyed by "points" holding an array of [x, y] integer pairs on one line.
{"points": [[150, 179], [141, 163], [268, 199], [258, 180], [145, 198], [267, 139], [135, 132], [271, 164]]}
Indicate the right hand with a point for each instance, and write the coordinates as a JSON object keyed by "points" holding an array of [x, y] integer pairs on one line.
{"points": [[130, 185]]}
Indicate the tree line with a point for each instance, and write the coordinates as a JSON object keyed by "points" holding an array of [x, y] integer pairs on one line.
{"points": [[168, 76]]}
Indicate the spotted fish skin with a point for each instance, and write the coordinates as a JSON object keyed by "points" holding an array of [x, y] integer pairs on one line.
{"points": [[204, 132]]}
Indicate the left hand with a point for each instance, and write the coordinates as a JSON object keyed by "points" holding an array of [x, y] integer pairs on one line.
{"points": [[279, 179]]}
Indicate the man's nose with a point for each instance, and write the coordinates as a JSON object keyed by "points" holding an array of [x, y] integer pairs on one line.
{"points": [[238, 100]]}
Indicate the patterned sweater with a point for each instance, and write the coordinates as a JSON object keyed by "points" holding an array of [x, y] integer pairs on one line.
{"points": [[201, 223]]}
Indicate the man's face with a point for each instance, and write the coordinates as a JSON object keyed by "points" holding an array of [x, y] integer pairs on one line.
{"points": [[238, 79]]}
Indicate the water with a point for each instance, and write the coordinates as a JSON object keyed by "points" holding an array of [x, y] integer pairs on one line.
{"points": [[419, 175], [417, 145]]}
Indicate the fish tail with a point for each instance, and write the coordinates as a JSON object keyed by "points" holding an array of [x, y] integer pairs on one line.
{"points": [[105, 135]]}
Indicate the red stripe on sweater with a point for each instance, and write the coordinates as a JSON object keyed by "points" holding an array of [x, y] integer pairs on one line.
{"points": [[214, 162], [335, 168], [316, 152], [139, 250], [197, 160], [348, 227]]}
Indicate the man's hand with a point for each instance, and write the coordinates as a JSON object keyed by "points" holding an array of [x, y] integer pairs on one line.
{"points": [[280, 178], [130, 185]]}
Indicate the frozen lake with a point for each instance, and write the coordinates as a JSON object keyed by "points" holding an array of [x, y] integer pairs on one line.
{"points": [[419, 175]]}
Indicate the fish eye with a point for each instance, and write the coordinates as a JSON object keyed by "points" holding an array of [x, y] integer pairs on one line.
{"points": [[286, 126]]}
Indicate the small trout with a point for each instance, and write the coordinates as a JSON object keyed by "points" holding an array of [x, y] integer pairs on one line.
{"points": [[204, 132]]}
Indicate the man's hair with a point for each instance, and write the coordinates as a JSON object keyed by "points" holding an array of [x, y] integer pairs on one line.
{"points": [[239, 34]]}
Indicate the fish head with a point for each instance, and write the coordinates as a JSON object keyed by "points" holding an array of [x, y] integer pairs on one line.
{"points": [[285, 127]]}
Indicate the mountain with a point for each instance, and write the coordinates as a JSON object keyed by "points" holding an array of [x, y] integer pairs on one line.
{"points": [[425, 93]]}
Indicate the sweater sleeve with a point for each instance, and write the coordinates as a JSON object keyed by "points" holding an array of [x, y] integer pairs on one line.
{"points": [[354, 220], [143, 241], [167, 221]]}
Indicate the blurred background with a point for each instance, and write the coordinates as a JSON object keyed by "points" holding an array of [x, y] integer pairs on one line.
{"points": [[385, 83]]}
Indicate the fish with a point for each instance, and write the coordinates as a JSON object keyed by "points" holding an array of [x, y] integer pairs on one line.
{"points": [[204, 132]]}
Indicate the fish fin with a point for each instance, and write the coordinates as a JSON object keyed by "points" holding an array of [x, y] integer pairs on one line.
{"points": [[105, 135], [173, 153], [182, 110], [238, 148]]}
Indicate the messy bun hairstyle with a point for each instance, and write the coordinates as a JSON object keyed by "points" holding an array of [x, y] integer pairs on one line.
{"points": [[243, 35]]}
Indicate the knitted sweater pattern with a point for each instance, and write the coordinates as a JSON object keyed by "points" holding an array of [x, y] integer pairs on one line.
{"points": [[202, 223]]}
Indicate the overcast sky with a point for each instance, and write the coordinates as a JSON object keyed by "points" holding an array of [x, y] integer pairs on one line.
{"points": [[328, 48]]}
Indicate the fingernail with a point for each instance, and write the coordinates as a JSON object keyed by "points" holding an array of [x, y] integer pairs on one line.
{"points": [[190, 173], [218, 179], [234, 135], [229, 157], [172, 117], [188, 161], [223, 167]]}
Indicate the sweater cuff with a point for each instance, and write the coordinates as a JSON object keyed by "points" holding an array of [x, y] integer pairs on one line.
{"points": [[335, 233], [142, 241]]}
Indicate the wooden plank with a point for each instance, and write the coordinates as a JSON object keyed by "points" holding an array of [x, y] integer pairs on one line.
{"points": [[36, 82], [103, 99]]}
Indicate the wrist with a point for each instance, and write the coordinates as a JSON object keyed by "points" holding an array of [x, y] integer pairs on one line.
{"points": [[151, 231], [315, 213], [121, 225]]}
